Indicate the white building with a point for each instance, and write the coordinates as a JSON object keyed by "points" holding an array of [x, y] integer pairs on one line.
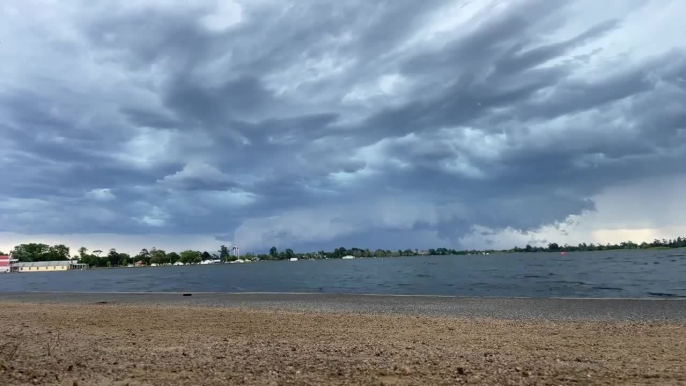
{"points": [[47, 266]]}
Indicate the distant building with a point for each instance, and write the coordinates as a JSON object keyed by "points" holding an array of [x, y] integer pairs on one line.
{"points": [[47, 266], [4, 264], [348, 257]]}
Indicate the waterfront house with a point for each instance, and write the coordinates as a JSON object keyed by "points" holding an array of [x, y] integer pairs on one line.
{"points": [[4, 264]]}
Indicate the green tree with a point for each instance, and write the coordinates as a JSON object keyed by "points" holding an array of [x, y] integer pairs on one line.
{"points": [[86, 259], [82, 252], [190, 256], [173, 257], [124, 259], [224, 253], [143, 256], [158, 256], [40, 252], [113, 258], [273, 252], [58, 252], [29, 252]]}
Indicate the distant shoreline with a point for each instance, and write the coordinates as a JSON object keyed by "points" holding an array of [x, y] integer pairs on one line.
{"points": [[493, 253], [27, 253]]}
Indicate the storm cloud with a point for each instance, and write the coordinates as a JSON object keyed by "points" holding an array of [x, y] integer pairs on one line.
{"points": [[316, 124]]}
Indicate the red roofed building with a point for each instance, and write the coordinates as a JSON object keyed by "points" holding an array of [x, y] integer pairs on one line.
{"points": [[4, 264]]}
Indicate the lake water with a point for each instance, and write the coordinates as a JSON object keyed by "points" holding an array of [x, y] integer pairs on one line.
{"points": [[659, 274]]}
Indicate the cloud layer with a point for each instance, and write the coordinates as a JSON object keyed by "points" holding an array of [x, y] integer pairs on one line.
{"points": [[316, 124]]}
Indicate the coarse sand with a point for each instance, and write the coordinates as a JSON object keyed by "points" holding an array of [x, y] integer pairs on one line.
{"points": [[114, 344]]}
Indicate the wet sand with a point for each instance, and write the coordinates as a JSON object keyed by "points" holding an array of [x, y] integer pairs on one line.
{"points": [[472, 307], [71, 340]]}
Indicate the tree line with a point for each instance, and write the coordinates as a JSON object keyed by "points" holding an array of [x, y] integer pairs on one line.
{"points": [[32, 252], [144, 257], [679, 242], [275, 254], [338, 253]]}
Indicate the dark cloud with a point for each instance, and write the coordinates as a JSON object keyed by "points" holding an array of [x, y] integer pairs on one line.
{"points": [[392, 124]]}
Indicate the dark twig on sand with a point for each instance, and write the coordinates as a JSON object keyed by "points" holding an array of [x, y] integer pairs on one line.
{"points": [[54, 345], [14, 352], [2, 346]]}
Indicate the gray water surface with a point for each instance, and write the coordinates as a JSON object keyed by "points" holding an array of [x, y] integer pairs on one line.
{"points": [[626, 274]]}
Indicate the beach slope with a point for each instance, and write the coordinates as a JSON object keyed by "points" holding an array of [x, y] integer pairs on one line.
{"points": [[164, 343]]}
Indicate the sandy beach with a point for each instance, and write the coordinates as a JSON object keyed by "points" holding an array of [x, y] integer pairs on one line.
{"points": [[114, 342]]}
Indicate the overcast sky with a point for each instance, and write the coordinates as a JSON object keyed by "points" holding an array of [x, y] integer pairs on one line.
{"points": [[318, 124]]}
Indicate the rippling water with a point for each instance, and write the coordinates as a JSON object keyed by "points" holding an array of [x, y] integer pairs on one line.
{"points": [[594, 274]]}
